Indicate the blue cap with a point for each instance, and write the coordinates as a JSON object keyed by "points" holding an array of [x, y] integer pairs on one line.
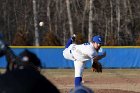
{"points": [[98, 39]]}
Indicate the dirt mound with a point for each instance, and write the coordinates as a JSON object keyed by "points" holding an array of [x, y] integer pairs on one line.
{"points": [[112, 91]]}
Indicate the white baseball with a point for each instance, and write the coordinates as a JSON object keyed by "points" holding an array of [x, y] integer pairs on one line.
{"points": [[41, 23]]}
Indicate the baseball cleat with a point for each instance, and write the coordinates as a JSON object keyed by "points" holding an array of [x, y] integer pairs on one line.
{"points": [[73, 37]]}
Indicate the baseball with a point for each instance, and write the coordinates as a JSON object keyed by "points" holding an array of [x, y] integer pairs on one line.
{"points": [[41, 23]]}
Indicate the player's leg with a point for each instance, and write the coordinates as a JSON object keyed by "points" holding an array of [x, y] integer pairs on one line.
{"points": [[67, 53], [79, 68]]}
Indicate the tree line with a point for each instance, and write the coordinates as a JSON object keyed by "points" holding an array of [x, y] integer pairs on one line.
{"points": [[118, 21]]}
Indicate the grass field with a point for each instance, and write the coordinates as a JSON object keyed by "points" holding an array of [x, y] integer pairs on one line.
{"points": [[110, 81]]}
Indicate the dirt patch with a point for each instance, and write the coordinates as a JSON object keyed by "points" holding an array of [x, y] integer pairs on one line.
{"points": [[112, 91], [110, 81]]}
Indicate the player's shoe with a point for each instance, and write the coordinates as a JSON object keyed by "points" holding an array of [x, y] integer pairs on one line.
{"points": [[70, 41], [73, 38]]}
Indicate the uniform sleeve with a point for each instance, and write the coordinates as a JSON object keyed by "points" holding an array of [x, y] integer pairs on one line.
{"points": [[92, 54]]}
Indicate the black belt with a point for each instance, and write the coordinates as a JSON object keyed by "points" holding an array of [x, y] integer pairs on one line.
{"points": [[72, 55], [70, 51]]}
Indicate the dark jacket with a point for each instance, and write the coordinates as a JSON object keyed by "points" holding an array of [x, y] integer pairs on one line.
{"points": [[25, 80]]}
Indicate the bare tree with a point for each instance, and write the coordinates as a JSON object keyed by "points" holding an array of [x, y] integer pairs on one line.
{"points": [[111, 16], [48, 15], [118, 20], [115, 19], [69, 17], [84, 15], [35, 24], [90, 29], [128, 22]]}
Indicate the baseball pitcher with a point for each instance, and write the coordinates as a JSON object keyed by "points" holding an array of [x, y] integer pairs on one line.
{"points": [[79, 54]]}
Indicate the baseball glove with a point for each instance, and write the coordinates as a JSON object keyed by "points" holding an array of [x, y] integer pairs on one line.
{"points": [[97, 67]]}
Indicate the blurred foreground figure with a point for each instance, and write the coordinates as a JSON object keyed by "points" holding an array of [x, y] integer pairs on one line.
{"points": [[25, 59], [22, 73], [25, 81], [26, 77], [29, 60], [10, 56]]}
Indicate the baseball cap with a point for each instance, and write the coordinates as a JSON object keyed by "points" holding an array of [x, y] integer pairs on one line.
{"points": [[98, 39]]}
